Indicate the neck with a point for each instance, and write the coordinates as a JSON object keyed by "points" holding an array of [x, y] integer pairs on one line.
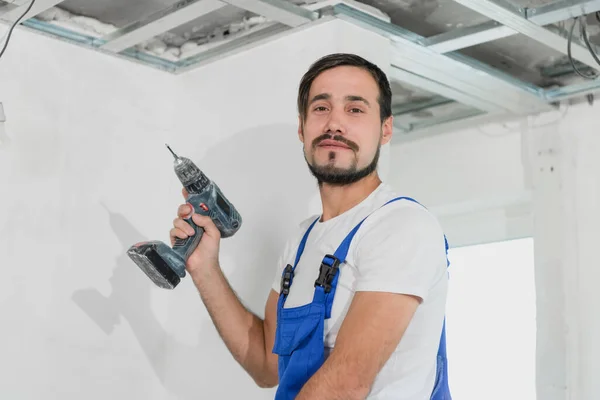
{"points": [[337, 200]]}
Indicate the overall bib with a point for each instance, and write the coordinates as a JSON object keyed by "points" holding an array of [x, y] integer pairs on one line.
{"points": [[299, 338]]}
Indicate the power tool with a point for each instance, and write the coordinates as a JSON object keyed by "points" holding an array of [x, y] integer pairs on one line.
{"points": [[164, 265]]}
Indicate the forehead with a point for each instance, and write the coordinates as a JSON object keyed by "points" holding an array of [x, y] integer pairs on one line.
{"points": [[345, 80]]}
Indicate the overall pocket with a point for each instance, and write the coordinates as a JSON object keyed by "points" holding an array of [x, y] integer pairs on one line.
{"points": [[295, 325]]}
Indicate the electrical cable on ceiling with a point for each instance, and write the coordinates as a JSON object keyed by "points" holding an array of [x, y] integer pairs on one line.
{"points": [[583, 34], [586, 39], [10, 30]]}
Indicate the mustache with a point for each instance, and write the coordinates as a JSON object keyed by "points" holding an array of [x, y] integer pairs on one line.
{"points": [[337, 138]]}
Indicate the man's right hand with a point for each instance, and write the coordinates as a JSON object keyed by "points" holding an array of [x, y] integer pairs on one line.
{"points": [[206, 254]]}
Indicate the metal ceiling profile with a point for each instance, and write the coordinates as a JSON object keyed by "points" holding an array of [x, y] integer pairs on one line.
{"points": [[443, 74], [189, 10], [520, 24], [159, 22]]}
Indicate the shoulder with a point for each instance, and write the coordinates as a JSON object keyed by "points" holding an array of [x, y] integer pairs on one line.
{"points": [[406, 210], [403, 219], [400, 248]]}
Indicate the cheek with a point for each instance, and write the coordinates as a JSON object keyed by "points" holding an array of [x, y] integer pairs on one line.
{"points": [[368, 150], [311, 125], [310, 131]]}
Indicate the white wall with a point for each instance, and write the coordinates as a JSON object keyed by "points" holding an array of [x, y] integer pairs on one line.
{"points": [[475, 179], [87, 175], [491, 336], [83, 129], [565, 171], [541, 178]]}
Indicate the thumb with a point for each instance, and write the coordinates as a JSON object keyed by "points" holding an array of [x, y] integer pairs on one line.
{"points": [[206, 223]]}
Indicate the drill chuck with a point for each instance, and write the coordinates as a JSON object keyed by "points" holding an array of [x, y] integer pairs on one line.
{"points": [[164, 265]]}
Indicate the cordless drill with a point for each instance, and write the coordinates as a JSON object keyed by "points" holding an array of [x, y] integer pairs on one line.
{"points": [[164, 265]]}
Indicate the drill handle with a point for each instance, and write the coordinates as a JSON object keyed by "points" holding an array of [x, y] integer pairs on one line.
{"points": [[185, 247], [210, 202]]}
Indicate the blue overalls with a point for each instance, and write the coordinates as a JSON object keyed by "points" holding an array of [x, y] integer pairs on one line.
{"points": [[300, 330]]}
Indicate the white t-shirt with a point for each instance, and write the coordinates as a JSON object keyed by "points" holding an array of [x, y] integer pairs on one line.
{"points": [[400, 248]]}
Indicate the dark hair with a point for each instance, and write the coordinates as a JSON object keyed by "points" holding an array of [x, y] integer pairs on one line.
{"points": [[338, 60]]}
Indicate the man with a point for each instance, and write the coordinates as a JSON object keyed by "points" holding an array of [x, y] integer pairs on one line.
{"points": [[360, 320]]}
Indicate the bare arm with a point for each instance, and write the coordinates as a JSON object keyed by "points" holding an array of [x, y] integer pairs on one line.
{"points": [[369, 334], [248, 338]]}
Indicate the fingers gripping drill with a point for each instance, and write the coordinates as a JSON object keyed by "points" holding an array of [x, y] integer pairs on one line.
{"points": [[164, 265]]}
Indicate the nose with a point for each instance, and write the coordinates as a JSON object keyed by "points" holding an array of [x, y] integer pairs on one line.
{"points": [[335, 123]]}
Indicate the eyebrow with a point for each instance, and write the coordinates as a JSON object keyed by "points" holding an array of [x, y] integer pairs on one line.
{"points": [[326, 96]]}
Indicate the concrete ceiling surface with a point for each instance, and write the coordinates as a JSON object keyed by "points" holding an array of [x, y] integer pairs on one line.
{"points": [[519, 47], [427, 17]]}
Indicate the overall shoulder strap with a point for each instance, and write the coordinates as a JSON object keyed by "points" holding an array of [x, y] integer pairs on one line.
{"points": [[288, 272], [328, 273]]}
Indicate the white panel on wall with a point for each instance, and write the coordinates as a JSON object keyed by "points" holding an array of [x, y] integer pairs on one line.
{"points": [[491, 327]]}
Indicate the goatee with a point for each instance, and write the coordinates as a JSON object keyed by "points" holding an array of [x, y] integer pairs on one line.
{"points": [[335, 176]]}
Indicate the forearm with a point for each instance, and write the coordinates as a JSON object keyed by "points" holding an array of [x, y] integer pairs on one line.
{"points": [[335, 380], [241, 331]]}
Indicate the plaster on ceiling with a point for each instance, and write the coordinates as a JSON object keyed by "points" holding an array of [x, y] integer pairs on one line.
{"points": [[212, 29], [99, 19], [80, 23], [427, 17]]}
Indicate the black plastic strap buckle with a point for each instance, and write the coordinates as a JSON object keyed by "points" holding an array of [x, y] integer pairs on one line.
{"points": [[286, 279], [327, 273]]}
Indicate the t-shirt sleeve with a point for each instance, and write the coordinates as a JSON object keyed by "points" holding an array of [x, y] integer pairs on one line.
{"points": [[400, 250]]}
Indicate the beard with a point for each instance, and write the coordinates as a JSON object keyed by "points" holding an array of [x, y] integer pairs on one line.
{"points": [[332, 175]]}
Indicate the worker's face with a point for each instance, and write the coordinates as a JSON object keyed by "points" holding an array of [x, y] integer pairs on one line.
{"points": [[343, 131]]}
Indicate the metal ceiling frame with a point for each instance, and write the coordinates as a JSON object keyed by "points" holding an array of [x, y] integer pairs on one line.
{"points": [[262, 34], [159, 22], [503, 13], [408, 56], [492, 30], [275, 10], [430, 63]]}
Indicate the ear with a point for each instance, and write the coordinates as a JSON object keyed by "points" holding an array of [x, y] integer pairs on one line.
{"points": [[300, 131], [387, 130]]}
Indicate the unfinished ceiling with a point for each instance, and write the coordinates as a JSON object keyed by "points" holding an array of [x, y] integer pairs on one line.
{"points": [[452, 60]]}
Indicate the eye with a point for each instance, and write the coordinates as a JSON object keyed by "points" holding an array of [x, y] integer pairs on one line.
{"points": [[320, 108], [355, 110]]}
